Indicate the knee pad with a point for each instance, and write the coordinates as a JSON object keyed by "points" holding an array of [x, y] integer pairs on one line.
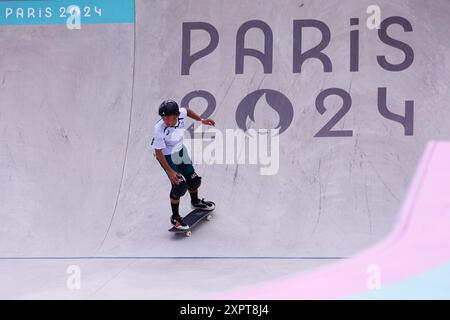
{"points": [[194, 181], [178, 190]]}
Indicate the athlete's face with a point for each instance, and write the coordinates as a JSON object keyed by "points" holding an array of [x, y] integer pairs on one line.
{"points": [[170, 121]]}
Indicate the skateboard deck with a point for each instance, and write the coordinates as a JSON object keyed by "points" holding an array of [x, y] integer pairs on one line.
{"points": [[192, 219]]}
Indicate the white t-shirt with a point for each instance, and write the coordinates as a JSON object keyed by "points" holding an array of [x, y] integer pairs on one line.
{"points": [[170, 139]]}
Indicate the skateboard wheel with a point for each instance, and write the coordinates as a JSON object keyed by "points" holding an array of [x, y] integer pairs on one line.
{"points": [[188, 233], [209, 217]]}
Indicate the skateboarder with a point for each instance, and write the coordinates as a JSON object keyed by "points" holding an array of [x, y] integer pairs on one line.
{"points": [[168, 145]]}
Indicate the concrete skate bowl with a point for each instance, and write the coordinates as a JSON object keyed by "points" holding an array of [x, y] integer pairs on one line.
{"points": [[355, 107]]}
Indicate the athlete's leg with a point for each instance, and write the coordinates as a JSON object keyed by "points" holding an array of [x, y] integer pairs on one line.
{"points": [[177, 191], [187, 170], [193, 181]]}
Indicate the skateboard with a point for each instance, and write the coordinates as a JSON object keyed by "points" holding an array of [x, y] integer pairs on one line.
{"points": [[192, 219]]}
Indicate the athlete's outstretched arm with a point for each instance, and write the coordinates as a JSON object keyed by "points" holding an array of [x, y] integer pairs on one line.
{"points": [[193, 115]]}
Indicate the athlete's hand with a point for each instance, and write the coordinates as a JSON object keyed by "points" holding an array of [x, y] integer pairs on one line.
{"points": [[208, 122], [175, 177]]}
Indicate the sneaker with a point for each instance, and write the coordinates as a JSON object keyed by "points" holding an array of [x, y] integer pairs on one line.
{"points": [[203, 205], [178, 223]]}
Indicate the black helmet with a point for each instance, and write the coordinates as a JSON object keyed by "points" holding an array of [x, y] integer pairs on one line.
{"points": [[168, 108]]}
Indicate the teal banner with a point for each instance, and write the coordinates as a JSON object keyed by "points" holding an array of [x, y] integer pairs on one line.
{"points": [[69, 12]]}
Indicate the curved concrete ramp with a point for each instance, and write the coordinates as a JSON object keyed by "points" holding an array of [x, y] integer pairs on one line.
{"points": [[331, 196], [65, 110], [79, 184], [412, 263]]}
